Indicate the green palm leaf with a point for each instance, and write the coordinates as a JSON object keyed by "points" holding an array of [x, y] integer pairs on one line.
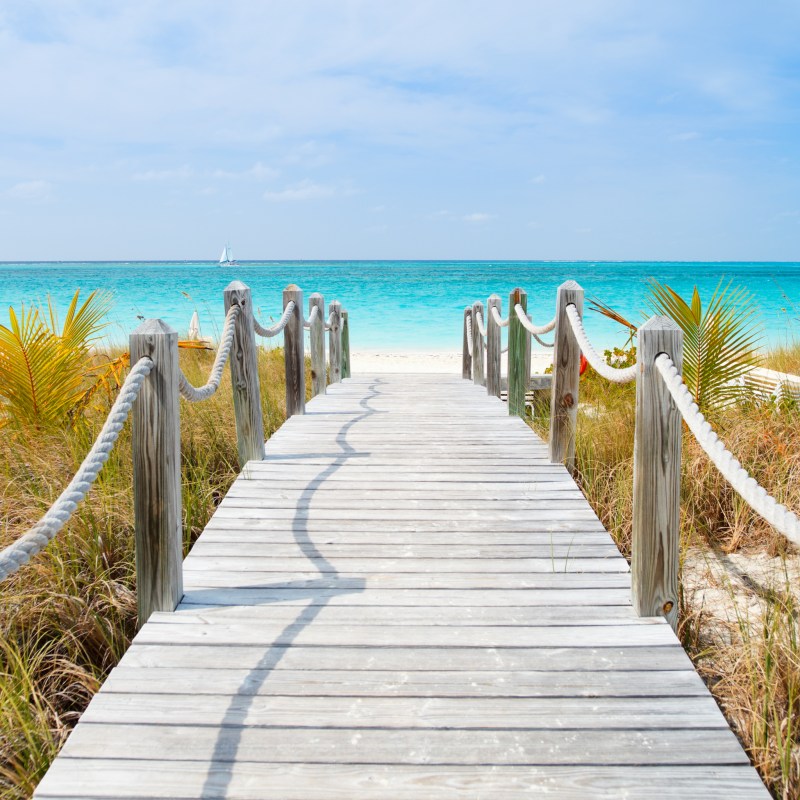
{"points": [[720, 343], [45, 372]]}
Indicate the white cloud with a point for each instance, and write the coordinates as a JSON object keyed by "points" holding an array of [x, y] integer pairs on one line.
{"points": [[31, 190], [539, 179], [258, 172], [477, 217], [181, 173], [303, 190], [686, 136]]}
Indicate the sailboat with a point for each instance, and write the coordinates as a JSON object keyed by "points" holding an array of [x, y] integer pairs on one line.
{"points": [[226, 259]]}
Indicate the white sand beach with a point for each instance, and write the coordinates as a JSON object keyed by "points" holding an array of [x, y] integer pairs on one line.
{"points": [[428, 361]]}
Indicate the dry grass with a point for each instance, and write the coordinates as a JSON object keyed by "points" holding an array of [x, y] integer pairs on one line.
{"points": [[784, 359], [67, 617], [752, 663]]}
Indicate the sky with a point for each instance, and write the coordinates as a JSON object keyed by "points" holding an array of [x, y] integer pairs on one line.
{"points": [[360, 129]]}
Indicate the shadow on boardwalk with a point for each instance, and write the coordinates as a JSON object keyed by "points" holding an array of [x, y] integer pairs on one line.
{"points": [[223, 759]]}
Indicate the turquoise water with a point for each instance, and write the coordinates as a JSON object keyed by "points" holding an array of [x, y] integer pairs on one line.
{"points": [[395, 305]]}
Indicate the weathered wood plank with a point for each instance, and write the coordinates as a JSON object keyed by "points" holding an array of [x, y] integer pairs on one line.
{"points": [[405, 599], [293, 351], [298, 745], [101, 778], [244, 376], [157, 471], [656, 476]]}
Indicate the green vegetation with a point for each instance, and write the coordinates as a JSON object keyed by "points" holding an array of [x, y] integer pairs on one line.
{"points": [[68, 616], [750, 660]]}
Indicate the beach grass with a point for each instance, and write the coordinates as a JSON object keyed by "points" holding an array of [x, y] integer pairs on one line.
{"points": [[743, 637], [68, 616]]}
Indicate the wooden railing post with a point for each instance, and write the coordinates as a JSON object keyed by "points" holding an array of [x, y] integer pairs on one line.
{"points": [[157, 472], [244, 376], [466, 342], [319, 378], [493, 347], [345, 345], [294, 357], [518, 372], [335, 341], [478, 376], [656, 476], [566, 375]]}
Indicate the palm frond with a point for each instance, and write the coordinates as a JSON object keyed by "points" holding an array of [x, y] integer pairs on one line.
{"points": [[44, 371], [720, 343], [595, 304]]}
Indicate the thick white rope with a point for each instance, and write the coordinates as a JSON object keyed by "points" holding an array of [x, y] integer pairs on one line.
{"points": [[329, 322], [481, 325], [498, 320], [469, 336], [278, 326], [40, 535], [194, 394], [534, 330], [754, 495], [311, 317], [592, 356]]}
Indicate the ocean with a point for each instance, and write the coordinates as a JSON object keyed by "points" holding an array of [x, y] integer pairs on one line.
{"points": [[396, 305]]}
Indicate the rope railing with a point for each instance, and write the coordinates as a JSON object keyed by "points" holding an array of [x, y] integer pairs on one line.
{"points": [[481, 326], [155, 442], [499, 321], [196, 394], [469, 335], [755, 495], [275, 329], [598, 363], [663, 404], [43, 532], [534, 330], [312, 318]]}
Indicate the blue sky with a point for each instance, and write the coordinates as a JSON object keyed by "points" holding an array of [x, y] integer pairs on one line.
{"points": [[362, 129]]}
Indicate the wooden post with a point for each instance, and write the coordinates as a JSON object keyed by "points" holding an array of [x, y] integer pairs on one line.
{"points": [[493, 347], [566, 374], [335, 341], [466, 358], [345, 345], [319, 378], [244, 376], [517, 336], [157, 472], [656, 476], [478, 376], [294, 357]]}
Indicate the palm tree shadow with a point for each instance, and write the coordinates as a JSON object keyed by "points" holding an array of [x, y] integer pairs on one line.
{"points": [[320, 591]]}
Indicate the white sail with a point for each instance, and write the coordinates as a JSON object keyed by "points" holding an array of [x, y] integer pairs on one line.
{"points": [[194, 328], [224, 257]]}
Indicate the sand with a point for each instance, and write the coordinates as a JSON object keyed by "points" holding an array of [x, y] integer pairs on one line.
{"points": [[444, 362]]}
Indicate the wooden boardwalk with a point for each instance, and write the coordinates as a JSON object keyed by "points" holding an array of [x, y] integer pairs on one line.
{"points": [[405, 599]]}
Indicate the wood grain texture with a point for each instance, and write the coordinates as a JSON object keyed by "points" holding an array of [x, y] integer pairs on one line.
{"points": [[293, 353], [157, 472], [478, 349], [319, 373], [518, 355], [345, 345], [335, 342], [656, 476], [493, 347], [566, 377], [404, 599], [466, 358], [244, 376]]}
